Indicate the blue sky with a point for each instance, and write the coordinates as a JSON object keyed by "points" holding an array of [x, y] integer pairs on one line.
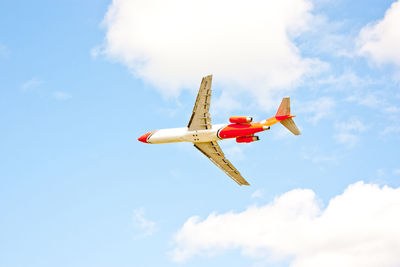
{"points": [[82, 80]]}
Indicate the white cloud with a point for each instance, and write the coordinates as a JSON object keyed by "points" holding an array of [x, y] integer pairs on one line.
{"points": [[357, 228], [348, 132], [61, 95], [248, 46], [381, 41], [145, 226]]}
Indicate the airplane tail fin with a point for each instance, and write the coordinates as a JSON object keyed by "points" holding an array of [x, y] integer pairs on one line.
{"points": [[284, 108], [285, 118]]}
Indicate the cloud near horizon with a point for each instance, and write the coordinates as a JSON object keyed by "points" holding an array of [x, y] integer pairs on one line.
{"points": [[357, 228], [249, 46]]}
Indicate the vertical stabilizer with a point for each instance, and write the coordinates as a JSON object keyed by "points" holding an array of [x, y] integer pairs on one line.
{"points": [[284, 108]]}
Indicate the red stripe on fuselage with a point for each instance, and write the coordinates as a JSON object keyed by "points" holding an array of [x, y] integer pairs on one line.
{"points": [[237, 130], [281, 118]]}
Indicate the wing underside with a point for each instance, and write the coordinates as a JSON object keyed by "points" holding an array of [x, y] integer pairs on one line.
{"points": [[214, 152], [201, 119]]}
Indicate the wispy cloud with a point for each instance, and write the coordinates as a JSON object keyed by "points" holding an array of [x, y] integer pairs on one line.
{"points": [[316, 156], [145, 226], [35, 85], [175, 110], [4, 51], [371, 100], [317, 109], [59, 95], [280, 132], [31, 84], [343, 81], [358, 228], [225, 104], [383, 103], [234, 151], [348, 132], [96, 51], [257, 194], [391, 130], [347, 138], [392, 109]]}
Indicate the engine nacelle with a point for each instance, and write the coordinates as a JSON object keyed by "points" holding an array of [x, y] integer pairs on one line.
{"points": [[247, 139], [240, 119]]}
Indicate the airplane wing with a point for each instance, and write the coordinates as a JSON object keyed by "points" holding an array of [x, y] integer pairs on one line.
{"points": [[214, 152], [201, 119]]}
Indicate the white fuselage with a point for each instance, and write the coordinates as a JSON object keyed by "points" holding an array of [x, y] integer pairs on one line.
{"points": [[183, 134]]}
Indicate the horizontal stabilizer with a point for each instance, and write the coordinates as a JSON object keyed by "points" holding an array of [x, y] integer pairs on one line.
{"points": [[291, 126]]}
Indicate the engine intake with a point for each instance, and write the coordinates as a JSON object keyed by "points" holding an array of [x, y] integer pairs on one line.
{"points": [[247, 139], [240, 119]]}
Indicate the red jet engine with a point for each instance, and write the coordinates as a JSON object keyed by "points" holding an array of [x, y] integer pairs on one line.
{"points": [[247, 139], [240, 119]]}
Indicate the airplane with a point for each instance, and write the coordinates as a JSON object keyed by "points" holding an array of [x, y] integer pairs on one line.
{"points": [[204, 135]]}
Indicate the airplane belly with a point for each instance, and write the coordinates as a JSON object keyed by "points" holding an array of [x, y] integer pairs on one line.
{"points": [[168, 136], [204, 135], [184, 135]]}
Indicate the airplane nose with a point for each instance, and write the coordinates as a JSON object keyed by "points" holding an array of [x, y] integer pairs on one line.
{"points": [[144, 137]]}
